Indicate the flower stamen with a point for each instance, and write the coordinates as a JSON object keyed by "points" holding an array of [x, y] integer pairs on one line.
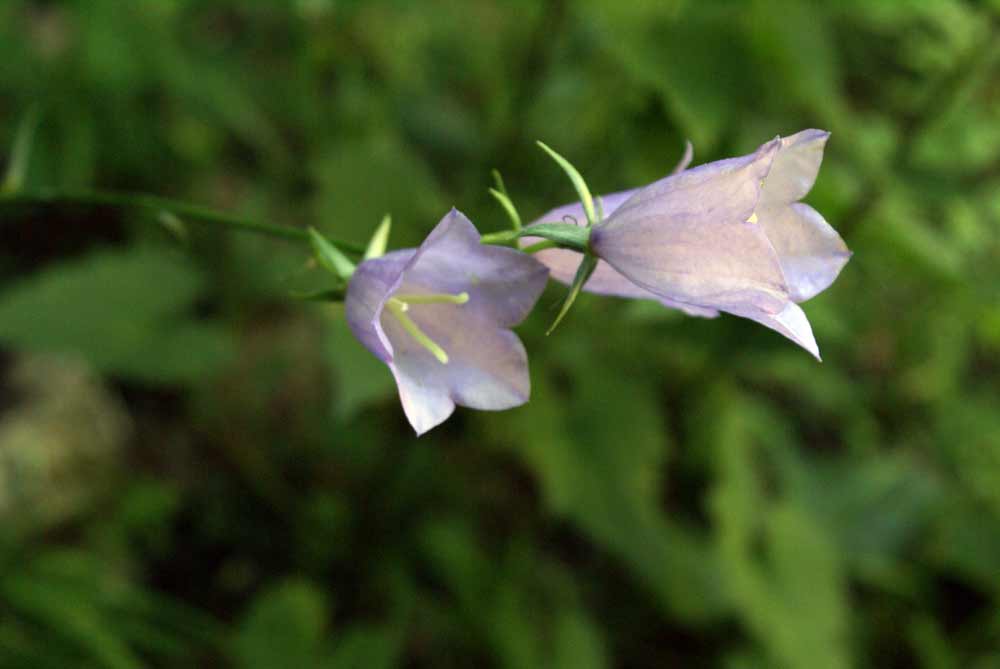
{"points": [[398, 305]]}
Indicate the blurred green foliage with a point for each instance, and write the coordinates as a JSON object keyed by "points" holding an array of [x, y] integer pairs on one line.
{"points": [[197, 471]]}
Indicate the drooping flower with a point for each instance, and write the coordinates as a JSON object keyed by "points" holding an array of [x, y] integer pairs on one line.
{"points": [[440, 316], [727, 236]]}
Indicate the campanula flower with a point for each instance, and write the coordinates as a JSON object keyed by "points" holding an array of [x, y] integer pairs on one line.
{"points": [[727, 236], [440, 316]]}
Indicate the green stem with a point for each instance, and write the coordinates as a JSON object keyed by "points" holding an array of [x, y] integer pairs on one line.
{"points": [[154, 205], [500, 238], [563, 235]]}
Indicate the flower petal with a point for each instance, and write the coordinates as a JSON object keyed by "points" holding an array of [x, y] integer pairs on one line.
{"points": [[606, 280], [810, 251], [791, 321], [503, 284], [373, 281], [795, 167], [686, 237], [487, 367], [723, 190]]}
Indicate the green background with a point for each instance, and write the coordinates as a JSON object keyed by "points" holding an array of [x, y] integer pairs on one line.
{"points": [[197, 470]]}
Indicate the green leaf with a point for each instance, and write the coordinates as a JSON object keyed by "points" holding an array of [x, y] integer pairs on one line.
{"points": [[81, 611], [126, 311], [357, 177], [367, 647], [68, 620], [692, 55], [283, 628], [611, 493], [778, 560], [578, 643]]}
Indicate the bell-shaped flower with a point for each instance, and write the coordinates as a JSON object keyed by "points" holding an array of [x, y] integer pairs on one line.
{"points": [[726, 236], [440, 316]]}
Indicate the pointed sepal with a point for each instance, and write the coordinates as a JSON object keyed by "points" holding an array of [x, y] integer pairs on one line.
{"points": [[586, 199], [500, 195], [583, 272], [329, 256], [380, 240]]}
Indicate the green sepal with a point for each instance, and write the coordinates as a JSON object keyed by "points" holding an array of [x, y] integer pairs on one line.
{"points": [[565, 235], [329, 256], [380, 240], [586, 199], [501, 196], [583, 272]]}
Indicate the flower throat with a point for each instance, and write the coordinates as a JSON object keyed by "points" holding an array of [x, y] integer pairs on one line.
{"points": [[398, 305]]}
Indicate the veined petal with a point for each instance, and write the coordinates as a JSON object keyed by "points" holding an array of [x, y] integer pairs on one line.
{"points": [[795, 167], [791, 321], [716, 265], [606, 280], [725, 190], [810, 251]]}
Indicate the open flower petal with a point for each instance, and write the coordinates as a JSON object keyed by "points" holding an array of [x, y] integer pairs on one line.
{"points": [[791, 321], [795, 167], [810, 251], [487, 365]]}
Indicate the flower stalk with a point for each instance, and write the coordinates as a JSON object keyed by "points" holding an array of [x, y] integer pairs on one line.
{"points": [[154, 206]]}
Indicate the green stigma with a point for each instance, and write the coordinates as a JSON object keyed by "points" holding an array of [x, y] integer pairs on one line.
{"points": [[398, 305]]}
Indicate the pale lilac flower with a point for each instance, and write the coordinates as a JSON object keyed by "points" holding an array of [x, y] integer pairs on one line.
{"points": [[727, 236], [439, 317]]}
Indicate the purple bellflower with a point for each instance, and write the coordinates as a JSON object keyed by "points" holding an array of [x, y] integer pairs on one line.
{"points": [[440, 316], [727, 236]]}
